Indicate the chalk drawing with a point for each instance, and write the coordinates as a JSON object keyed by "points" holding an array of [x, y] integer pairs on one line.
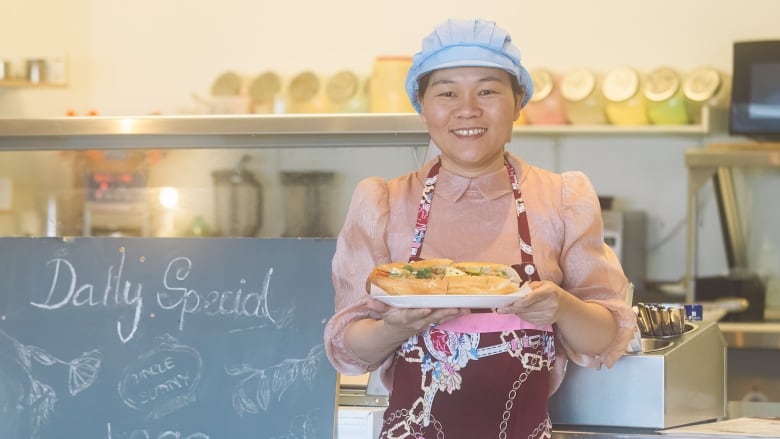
{"points": [[254, 390], [162, 380]]}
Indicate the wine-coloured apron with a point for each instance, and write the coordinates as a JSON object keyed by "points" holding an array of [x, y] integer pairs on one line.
{"points": [[482, 375]]}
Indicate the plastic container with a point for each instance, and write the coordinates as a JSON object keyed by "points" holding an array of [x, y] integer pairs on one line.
{"points": [[546, 106], [521, 119], [36, 70], [387, 87], [305, 94], [264, 91], [625, 104], [706, 86], [346, 93], [665, 100], [583, 102]]}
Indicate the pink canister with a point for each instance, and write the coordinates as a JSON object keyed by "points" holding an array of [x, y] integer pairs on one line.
{"points": [[582, 99], [546, 106]]}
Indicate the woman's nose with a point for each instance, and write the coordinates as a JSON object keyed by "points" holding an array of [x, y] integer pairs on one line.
{"points": [[468, 107]]}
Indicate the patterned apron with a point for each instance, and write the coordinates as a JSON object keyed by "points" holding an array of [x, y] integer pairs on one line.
{"points": [[482, 375]]}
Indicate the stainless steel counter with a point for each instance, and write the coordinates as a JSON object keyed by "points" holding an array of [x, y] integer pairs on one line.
{"points": [[577, 432]]}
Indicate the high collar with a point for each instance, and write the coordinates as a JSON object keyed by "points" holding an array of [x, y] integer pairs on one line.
{"points": [[490, 186]]}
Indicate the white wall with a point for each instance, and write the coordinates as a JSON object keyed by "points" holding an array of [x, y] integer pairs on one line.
{"points": [[145, 56], [132, 58]]}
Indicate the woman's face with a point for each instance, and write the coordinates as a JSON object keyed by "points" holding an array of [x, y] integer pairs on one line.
{"points": [[470, 113]]}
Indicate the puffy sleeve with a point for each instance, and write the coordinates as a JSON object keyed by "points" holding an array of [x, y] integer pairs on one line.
{"points": [[591, 270], [360, 246]]}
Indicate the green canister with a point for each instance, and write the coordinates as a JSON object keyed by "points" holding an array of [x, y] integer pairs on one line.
{"points": [[665, 99]]}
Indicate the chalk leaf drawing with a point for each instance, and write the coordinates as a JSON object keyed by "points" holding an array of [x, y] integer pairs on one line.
{"points": [[82, 371], [40, 398], [254, 390]]}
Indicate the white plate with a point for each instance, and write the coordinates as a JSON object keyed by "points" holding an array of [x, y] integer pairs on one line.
{"points": [[448, 301]]}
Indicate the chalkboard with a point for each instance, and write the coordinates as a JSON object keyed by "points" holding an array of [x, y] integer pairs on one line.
{"points": [[165, 338]]}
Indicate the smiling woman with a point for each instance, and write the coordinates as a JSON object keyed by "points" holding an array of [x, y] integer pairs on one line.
{"points": [[453, 371], [470, 112]]}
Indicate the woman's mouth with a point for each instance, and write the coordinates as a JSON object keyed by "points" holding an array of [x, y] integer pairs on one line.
{"points": [[469, 132]]}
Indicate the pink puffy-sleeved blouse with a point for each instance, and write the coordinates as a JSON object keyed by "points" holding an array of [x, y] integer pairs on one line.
{"points": [[474, 219]]}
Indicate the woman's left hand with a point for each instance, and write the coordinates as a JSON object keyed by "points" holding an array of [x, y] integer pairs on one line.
{"points": [[542, 306]]}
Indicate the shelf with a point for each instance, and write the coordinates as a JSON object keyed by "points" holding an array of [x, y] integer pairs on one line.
{"points": [[601, 130], [264, 131], [20, 83]]}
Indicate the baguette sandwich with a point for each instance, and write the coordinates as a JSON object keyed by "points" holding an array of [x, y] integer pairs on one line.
{"points": [[444, 276]]}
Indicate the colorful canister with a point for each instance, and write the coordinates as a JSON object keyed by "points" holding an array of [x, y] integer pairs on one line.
{"points": [[521, 119], [665, 99], [264, 91], [388, 92], [625, 104], [345, 93], [546, 104], [706, 86], [305, 94], [583, 103]]}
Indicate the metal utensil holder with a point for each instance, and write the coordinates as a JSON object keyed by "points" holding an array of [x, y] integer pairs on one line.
{"points": [[673, 381]]}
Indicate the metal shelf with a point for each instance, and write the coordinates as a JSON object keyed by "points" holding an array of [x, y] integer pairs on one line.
{"points": [[243, 131], [263, 131]]}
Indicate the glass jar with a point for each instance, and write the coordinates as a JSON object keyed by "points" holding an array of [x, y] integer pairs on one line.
{"points": [[706, 86], [583, 103], [388, 85], [546, 104], [665, 99], [625, 104]]}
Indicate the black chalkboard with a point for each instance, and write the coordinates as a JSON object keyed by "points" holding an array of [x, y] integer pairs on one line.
{"points": [[165, 338]]}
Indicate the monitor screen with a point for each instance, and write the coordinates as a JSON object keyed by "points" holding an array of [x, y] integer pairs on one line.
{"points": [[755, 97]]}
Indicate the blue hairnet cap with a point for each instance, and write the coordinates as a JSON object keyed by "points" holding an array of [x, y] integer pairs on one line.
{"points": [[467, 43]]}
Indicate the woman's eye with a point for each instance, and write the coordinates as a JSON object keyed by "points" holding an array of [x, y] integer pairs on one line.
{"points": [[486, 92], [447, 94]]}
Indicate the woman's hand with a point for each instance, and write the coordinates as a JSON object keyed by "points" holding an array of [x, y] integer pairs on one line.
{"points": [[374, 340], [409, 321], [587, 327], [545, 304]]}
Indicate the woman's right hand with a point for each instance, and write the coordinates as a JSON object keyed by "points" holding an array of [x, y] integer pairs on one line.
{"points": [[374, 340], [410, 321]]}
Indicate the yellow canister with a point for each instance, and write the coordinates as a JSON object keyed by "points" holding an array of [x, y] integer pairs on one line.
{"points": [[665, 99], [345, 93], [264, 91], [546, 104], [706, 86], [387, 87], [305, 94], [521, 119], [625, 104], [583, 103]]}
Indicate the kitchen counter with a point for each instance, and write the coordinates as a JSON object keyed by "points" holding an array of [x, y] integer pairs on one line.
{"points": [[578, 432]]}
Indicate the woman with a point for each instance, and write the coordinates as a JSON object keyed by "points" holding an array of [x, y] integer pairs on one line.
{"points": [[461, 373]]}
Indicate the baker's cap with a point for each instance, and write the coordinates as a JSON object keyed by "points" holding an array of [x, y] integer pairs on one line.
{"points": [[467, 43]]}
